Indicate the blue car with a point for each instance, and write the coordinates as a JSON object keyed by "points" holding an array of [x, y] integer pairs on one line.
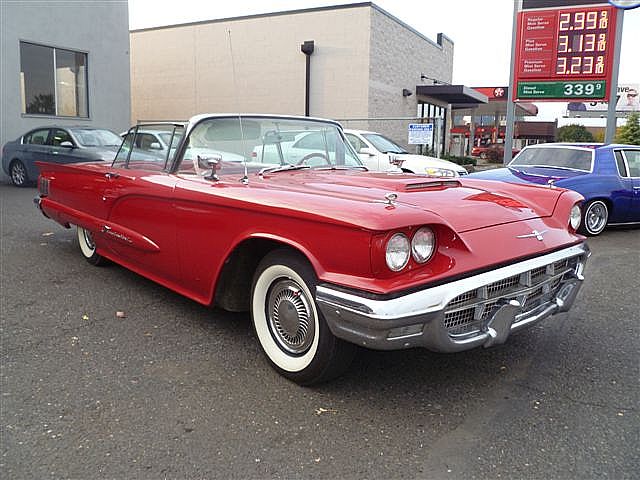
{"points": [[608, 176], [57, 144]]}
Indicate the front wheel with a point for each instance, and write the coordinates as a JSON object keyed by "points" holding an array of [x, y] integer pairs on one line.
{"points": [[594, 218], [18, 174], [88, 247], [291, 330]]}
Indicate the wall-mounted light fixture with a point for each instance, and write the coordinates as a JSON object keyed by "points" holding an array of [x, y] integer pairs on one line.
{"points": [[406, 92], [307, 48], [434, 80]]}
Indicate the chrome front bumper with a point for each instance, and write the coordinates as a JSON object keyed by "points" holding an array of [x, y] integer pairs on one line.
{"points": [[479, 310]]}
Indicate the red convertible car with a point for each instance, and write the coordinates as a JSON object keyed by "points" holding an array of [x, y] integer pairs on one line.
{"points": [[324, 255]]}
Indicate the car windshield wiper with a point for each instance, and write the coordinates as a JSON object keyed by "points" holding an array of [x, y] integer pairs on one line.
{"points": [[350, 167], [396, 151], [282, 168]]}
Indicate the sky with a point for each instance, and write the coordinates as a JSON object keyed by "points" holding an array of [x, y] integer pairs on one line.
{"points": [[480, 29]]}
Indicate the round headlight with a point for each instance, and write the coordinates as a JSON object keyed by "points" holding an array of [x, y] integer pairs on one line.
{"points": [[574, 217], [423, 244], [397, 254]]}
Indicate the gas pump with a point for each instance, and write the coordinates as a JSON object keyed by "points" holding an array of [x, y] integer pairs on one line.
{"points": [[458, 144]]}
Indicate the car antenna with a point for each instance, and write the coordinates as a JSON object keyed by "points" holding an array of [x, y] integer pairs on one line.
{"points": [[245, 178]]}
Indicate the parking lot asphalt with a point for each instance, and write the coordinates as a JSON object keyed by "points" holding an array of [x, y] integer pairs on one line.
{"points": [[176, 390]]}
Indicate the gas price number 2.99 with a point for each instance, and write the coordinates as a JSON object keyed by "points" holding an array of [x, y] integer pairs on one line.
{"points": [[582, 42]]}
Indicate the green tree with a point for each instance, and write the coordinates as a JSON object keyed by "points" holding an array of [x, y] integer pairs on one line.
{"points": [[574, 133], [630, 133]]}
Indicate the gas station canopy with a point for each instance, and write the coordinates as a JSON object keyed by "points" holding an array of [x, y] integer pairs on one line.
{"points": [[479, 100], [452, 94]]}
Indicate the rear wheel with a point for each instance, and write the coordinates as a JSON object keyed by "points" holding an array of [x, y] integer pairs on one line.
{"points": [[291, 330], [18, 174], [88, 247], [594, 218]]}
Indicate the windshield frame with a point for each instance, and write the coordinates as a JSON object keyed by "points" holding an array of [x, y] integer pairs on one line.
{"points": [[177, 138], [197, 120]]}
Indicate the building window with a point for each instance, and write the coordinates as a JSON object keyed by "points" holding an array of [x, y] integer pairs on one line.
{"points": [[53, 81]]}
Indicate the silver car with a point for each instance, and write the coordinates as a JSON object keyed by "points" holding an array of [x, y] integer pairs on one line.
{"points": [[58, 145]]}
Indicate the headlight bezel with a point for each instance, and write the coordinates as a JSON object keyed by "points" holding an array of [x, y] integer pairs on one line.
{"points": [[417, 257], [575, 217], [397, 237], [408, 248]]}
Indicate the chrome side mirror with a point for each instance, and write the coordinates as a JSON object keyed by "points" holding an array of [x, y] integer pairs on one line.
{"points": [[212, 163]]}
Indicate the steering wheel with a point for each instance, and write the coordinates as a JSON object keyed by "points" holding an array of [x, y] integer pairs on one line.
{"points": [[313, 155]]}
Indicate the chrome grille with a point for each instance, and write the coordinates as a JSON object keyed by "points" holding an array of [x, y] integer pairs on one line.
{"points": [[465, 314], [502, 285]]}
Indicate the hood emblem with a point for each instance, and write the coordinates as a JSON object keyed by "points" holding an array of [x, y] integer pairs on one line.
{"points": [[535, 233], [389, 199]]}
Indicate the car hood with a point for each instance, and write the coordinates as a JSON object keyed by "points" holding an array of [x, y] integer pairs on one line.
{"points": [[363, 199], [528, 175]]}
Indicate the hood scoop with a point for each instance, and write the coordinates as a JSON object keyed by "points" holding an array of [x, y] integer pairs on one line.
{"points": [[431, 185]]}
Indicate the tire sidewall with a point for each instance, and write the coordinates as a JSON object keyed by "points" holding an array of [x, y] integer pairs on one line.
{"points": [[589, 207], [283, 361], [88, 252], [327, 357]]}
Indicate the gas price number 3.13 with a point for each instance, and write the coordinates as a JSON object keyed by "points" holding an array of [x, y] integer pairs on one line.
{"points": [[582, 42]]}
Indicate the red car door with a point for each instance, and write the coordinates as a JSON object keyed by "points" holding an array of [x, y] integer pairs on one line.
{"points": [[140, 229]]}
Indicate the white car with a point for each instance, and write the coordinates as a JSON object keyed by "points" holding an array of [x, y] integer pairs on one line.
{"points": [[379, 153]]}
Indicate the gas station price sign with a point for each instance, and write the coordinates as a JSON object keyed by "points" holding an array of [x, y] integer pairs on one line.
{"points": [[565, 53]]}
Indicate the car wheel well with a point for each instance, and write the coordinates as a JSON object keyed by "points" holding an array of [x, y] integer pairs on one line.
{"points": [[236, 277]]}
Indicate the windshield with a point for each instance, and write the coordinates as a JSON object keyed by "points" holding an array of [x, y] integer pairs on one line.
{"points": [[383, 144], [166, 137], [554, 157], [96, 138], [266, 142]]}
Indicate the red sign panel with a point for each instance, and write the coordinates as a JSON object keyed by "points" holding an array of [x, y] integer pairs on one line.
{"points": [[493, 93], [558, 48]]}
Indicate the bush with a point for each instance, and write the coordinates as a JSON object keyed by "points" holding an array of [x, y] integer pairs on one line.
{"points": [[574, 133], [460, 160], [630, 133]]}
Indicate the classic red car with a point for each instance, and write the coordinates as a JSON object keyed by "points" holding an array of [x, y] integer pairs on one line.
{"points": [[324, 254], [492, 151]]}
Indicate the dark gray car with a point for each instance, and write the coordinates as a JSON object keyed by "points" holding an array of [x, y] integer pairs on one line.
{"points": [[58, 145]]}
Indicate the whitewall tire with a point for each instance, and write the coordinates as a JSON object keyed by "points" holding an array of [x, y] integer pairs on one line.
{"points": [[88, 247], [290, 329], [594, 218]]}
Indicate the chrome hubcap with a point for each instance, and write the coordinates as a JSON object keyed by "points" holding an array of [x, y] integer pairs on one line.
{"points": [[290, 317], [596, 217], [18, 174]]}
